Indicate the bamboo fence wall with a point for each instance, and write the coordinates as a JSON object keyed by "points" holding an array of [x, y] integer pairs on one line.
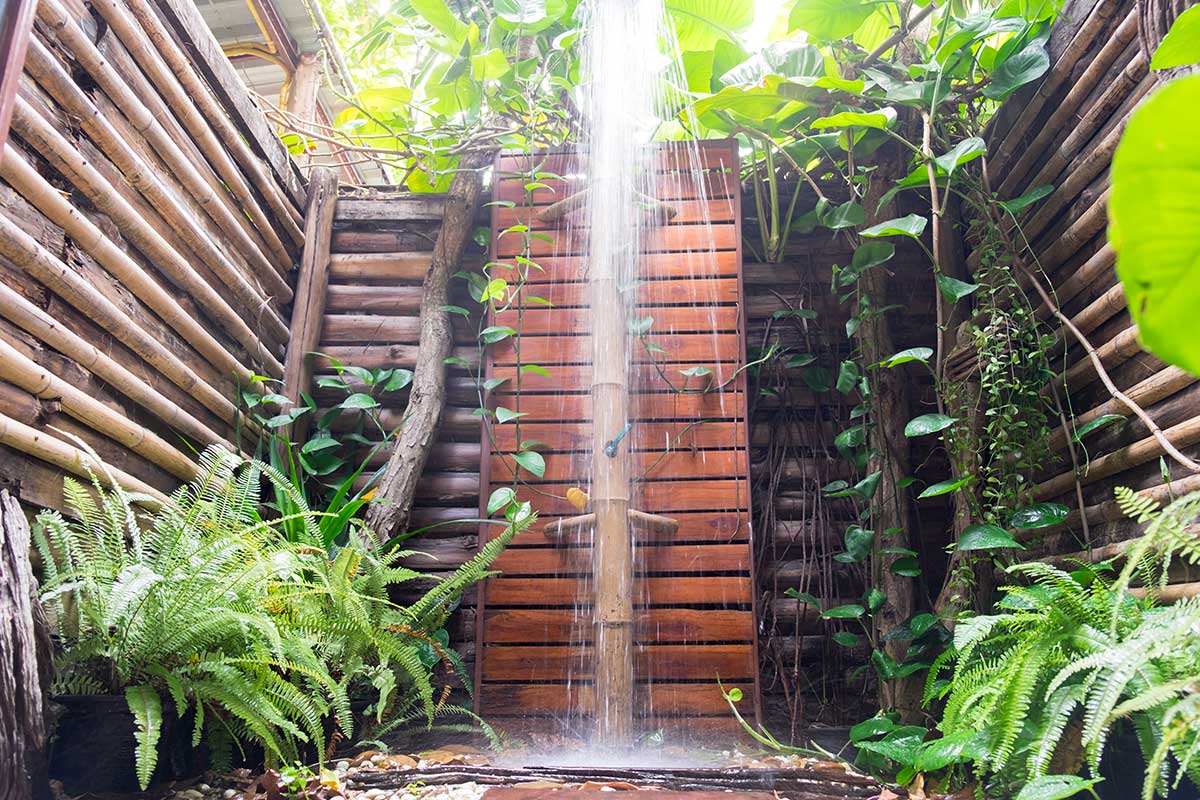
{"points": [[1063, 132], [150, 220]]}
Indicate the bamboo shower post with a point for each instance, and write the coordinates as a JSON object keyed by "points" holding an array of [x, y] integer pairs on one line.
{"points": [[613, 542]]}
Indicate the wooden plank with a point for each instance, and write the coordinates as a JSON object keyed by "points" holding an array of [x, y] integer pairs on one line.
{"points": [[658, 699], [644, 436], [668, 239], [373, 299], [16, 23], [680, 662], [699, 348], [724, 590], [645, 465], [657, 406], [667, 156], [687, 212], [308, 311], [658, 626], [722, 527], [671, 319], [651, 266], [391, 208], [664, 498], [644, 378], [379, 266], [673, 558], [670, 186], [713, 291]]}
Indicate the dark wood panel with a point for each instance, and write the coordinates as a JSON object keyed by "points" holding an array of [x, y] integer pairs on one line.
{"points": [[664, 498], [658, 626], [722, 527]]}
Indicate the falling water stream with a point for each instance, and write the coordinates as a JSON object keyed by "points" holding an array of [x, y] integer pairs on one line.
{"points": [[629, 65]]}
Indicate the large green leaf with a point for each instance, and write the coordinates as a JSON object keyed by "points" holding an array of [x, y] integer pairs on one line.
{"points": [[881, 119], [700, 24], [1154, 213], [987, 537], [1020, 68], [1039, 515], [530, 16], [829, 19], [1181, 46], [944, 487], [927, 424], [790, 59], [438, 14], [912, 225]]}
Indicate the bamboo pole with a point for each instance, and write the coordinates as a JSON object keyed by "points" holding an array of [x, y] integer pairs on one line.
{"points": [[308, 312], [51, 332], [22, 371], [1148, 392], [143, 178], [38, 191], [185, 109], [118, 90], [45, 447], [1108, 510], [28, 255], [42, 137], [198, 93]]}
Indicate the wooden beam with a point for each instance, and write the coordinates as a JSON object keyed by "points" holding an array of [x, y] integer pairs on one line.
{"points": [[16, 23], [308, 310]]}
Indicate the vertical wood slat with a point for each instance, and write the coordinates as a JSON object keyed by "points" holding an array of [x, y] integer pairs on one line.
{"points": [[16, 24], [312, 286]]}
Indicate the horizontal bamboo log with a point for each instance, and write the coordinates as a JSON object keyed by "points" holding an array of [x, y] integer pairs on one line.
{"points": [[184, 108], [23, 251], [1122, 347], [1108, 510], [40, 135], [199, 94], [24, 372], [144, 179], [50, 331], [1169, 594], [1185, 434], [1149, 392], [45, 447], [1091, 31], [1065, 109], [38, 191]]}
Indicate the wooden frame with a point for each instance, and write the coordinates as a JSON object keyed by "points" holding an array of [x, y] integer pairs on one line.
{"points": [[16, 24]]}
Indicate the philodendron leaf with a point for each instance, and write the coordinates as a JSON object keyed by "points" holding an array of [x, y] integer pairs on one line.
{"points": [[1019, 204], [879, 120], [927, 424], [953, 289], [912, 225], [944, 487], [500, 498], [847, 215], [987, 537], [846, 639], [1039, 515], [507, 414], [922, 354], [1181, 46], [828, 19], [803, 597], [1056, 787], [849, 611], [1018, 69], [1098, 422], [1154, 214], [532, 461], [966, 150]]}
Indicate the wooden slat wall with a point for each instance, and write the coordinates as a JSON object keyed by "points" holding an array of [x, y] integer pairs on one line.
{"points": [[1063, 132], [117, 322], [695, 602]]}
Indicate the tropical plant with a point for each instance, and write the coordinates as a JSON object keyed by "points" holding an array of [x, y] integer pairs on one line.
{"points": [[1039, 687], [262, 638]]}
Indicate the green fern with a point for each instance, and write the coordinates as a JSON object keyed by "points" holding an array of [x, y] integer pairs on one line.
{"points": [[146, 708]]}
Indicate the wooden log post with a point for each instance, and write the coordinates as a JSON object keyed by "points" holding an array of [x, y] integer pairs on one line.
{"points": [[890, 410], [312, 286], [25, 651], [389, 512]]}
